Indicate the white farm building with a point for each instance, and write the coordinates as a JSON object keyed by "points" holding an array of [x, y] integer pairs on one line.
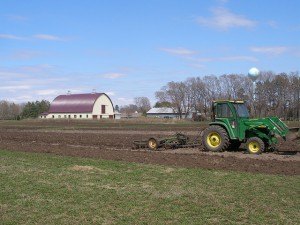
{"points": [[81, 106]]}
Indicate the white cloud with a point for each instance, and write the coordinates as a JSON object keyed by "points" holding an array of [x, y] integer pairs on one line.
{"points": [[197, 65], [47, 92], [113, 75], [10, 36], [110, 93], [21, 98], [25, 54], [272, 24], [179, 51], [40, 68], [48, 37], [238, 58], [124, 101], [12, 75], [275, 50], [225, 58], [17, 18], [223, 19], [14, 88]]}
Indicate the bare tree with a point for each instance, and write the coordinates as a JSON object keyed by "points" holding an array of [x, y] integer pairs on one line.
{"points": [[129, 109], [143, 104], [174, 92], [273, 94], [198, 93], [9, 110]]}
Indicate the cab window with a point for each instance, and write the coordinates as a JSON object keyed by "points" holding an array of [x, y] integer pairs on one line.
{"points": [[223, 111]]}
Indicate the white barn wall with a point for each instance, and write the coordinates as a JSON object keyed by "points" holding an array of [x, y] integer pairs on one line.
{"points": [[62, 116], [103, 100]]}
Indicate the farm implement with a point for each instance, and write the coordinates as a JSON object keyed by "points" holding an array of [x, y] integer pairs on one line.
{"points": [[178, 140], [230, 127]]}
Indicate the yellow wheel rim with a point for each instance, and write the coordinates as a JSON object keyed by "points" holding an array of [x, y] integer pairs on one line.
{"points": [[254, 147], [152, 144], [213, 139]]}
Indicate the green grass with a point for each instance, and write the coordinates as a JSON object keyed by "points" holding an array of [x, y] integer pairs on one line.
{"points": [[47, 189]]}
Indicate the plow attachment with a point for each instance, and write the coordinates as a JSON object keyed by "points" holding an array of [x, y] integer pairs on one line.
{"points": [[178, 140], [293, 134]]}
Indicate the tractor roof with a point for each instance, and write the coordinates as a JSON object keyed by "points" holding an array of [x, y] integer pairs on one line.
{"points": [[232, 101]]}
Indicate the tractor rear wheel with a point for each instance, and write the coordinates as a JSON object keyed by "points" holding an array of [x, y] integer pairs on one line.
{"points": [[255, 145], [152, 144], [215, 138]]}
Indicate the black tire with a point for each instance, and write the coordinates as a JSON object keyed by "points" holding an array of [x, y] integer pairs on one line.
{"points": [[153, 144], [234, 145], [215, 138], [255, 145]]}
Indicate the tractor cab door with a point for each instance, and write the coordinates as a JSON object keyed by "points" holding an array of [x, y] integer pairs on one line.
{"points": [[227, 115]]}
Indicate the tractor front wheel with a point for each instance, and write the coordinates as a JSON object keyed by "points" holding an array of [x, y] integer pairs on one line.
{"points": [[255, 145], [215, 138]]}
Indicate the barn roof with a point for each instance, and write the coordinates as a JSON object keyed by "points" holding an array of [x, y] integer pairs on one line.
{"points": [[163, 110], [74, 103]]}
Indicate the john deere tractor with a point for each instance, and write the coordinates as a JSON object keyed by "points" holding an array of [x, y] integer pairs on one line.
{"points": [[232, 126]]}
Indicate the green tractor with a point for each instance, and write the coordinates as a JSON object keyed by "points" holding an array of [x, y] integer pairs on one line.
{"points": [[232, 126]]}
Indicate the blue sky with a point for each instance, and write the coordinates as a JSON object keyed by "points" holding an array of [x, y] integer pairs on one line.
{"points": [[132, 48]]}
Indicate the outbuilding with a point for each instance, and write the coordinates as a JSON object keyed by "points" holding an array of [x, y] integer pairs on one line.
{"points": [[81, 106], [169, 113], [165, 113]]}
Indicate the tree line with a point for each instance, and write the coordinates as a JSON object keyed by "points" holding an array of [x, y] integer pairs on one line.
{"points": [[10, 110], [13, 111], [271, 95]]}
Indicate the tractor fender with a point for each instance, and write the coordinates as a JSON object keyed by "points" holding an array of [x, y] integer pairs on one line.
{"points": [[226, 127]]}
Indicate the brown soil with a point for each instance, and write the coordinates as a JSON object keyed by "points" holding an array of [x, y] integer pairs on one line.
{"points": [[115, 144]]}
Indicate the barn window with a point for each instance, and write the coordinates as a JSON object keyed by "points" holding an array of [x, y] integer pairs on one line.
{"points": [[103, 109], [53, 116], [80, 116], [87, 116], [69, 116], [44, 116], [59, 116], [75, 116], [65, 116]]}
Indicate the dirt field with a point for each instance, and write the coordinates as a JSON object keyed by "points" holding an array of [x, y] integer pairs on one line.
{"points": [[113, 141]]}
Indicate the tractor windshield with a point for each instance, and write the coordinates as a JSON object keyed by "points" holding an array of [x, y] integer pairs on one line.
{"points": [[241, 110]]}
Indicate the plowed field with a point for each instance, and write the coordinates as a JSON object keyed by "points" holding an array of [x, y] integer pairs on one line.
{"points": [[114, 142]]}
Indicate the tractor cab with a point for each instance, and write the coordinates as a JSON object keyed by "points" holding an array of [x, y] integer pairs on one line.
{"points": [[231, 115], [229, 109]]}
